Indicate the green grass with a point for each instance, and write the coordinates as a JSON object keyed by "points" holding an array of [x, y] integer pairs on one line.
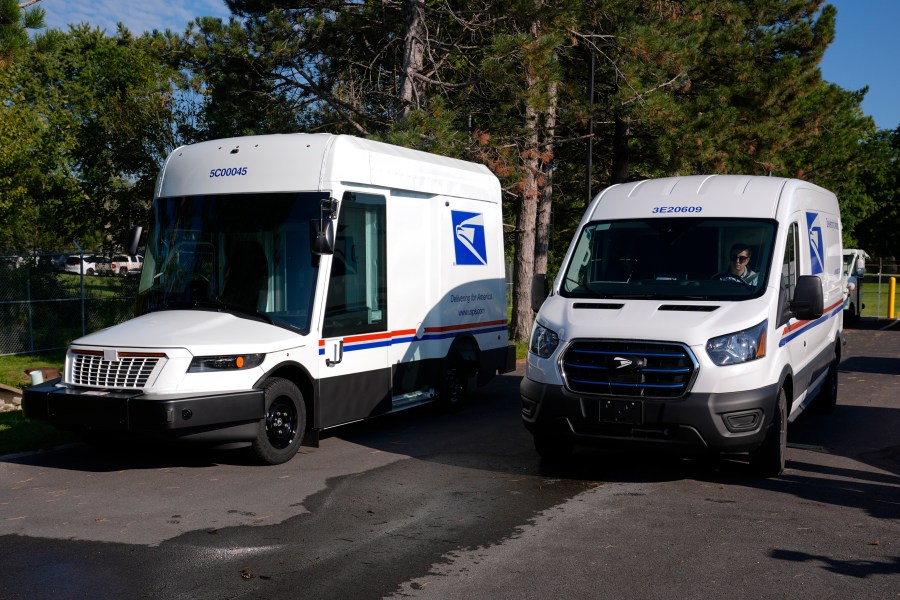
{"points": [[870, 297], [18, 434], [12, 368]]}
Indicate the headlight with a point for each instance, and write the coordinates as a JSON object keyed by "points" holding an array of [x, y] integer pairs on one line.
{"points": [[543, 341], [234, 362], [739, 347]]}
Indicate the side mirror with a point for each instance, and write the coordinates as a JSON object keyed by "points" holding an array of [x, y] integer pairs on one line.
{"points": [[539, 291], [321, 237], [808, 302], [133, 239]]}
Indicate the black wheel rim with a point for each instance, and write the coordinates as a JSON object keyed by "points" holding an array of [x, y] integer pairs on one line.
{"points": [[281, 423]]}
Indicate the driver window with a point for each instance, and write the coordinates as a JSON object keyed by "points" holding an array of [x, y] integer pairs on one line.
{"points": [[357, 287]]}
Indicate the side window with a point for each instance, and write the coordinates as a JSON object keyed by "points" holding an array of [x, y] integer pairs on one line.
{"points": [[789, 270], [357, 286]]}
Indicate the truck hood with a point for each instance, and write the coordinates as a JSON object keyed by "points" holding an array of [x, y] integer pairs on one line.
{"points": [[689, 322], [199, 332]]}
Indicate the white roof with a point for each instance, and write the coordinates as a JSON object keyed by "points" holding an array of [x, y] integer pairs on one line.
{"points": [[316, 162], [745, 196]]}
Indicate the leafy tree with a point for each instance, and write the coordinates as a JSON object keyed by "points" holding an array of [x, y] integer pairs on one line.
{"points": [[99, 110], [15, 22]]}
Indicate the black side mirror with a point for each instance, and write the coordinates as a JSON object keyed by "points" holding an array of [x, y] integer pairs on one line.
{"points": [[539, 291], [133, 239], [321, 238], [808, 302]]}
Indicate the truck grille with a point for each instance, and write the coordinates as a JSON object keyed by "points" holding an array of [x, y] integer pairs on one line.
{"points": [[628, 368], [130, 371]]}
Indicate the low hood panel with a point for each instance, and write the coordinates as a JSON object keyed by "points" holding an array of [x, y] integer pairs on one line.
{"points": [[643, 319], [200, 332]]}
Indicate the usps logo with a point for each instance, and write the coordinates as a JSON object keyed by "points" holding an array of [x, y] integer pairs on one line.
{"points": [[816, 249], [468, 238]]}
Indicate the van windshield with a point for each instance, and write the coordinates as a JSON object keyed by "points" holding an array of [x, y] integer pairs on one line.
{"points": [[679, 258], [246, 254]]}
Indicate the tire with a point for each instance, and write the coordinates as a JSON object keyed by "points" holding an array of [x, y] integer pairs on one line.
{"points": [[826, 400], [768, 460], [553, 448], [89, 272], [123, 271], [281, 431], [454, 385], [851, 316]]}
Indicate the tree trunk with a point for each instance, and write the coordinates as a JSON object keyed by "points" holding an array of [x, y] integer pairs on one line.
{"points": [[545, 182], [523, 318], [413, 56]]}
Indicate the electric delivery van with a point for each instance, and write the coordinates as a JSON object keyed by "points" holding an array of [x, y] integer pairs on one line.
{"points": [[293, 283], [697, 313]]}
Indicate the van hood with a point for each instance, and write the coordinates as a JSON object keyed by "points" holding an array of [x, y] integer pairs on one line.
{"points": [[199, 332], [689, 322]]}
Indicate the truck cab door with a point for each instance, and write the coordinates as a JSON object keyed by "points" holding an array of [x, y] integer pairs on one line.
{"points": [[355, 371]]}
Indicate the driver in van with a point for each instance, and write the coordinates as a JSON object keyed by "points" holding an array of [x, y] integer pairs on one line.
{"points": [[738, 266]]}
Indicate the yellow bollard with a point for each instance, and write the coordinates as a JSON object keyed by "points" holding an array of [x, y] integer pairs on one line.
{"points": [[892, 291]]}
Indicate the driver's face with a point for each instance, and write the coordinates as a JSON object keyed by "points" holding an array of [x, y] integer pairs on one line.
{"points": [[739, 262]]}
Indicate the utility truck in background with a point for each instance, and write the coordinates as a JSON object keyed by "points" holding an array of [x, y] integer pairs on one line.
{"points": [[699, 313], [853, 273], [293, 283]]}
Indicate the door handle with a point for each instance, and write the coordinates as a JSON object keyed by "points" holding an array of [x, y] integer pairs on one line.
{"points": [[338, 355]]}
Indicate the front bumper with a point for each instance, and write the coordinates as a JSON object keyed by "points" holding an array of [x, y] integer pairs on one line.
{"points": [[727, 422], [222, 417]]}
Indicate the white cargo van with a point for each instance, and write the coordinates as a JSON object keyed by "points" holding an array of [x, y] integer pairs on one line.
{"points": [[690, 313], [854, 272], [293, 283]]}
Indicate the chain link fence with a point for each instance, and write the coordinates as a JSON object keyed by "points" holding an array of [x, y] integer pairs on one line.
{"points": [[48, 300], [876, 286]]}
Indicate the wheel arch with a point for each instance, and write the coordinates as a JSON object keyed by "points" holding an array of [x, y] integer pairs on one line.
{"points": [[299, 376]]}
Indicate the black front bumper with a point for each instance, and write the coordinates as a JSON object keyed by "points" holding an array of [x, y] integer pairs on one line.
{"points": [[730, 422], [223, 417]]}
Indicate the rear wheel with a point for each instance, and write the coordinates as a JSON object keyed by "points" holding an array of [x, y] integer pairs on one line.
{"points": [[826, 401], [768, 460], [454, 385], [281, 432]]}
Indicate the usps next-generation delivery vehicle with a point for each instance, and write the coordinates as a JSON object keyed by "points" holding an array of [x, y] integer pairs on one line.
{"points": [[696, 313], [293, 283]]}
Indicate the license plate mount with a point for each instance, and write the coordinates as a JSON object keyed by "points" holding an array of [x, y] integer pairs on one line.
{"points": [[630, 412]]}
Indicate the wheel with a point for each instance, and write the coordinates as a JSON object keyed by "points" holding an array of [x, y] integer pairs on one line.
{"points": [[281, 432], [454, 385], [826, 400], [851, 315], [123, 271], [89, 272], [553, 448], [768, 459]]}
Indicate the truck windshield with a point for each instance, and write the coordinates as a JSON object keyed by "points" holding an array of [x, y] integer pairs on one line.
{"points": [[246, 254], [679, 258]]}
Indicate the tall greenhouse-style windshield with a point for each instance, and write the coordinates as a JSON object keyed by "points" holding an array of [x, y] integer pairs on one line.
{"points": [[679, 258], [247, 254]]}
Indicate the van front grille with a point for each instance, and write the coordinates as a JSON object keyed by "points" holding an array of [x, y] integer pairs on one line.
{"points": [[128, 372], [628, 368]]}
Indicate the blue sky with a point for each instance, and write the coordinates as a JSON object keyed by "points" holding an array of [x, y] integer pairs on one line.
{"points": [[866, 50]]}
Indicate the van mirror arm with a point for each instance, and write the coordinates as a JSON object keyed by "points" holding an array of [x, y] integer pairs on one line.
{"points": [[808, 302]]}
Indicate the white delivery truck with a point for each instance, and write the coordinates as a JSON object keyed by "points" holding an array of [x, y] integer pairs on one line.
{"points": [[293, 283], [854, 272], [690, 313]]}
